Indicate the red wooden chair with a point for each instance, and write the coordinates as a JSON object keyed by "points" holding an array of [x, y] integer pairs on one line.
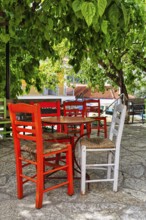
{"points": [[92, 109], [30, 150], [73, 109], [51, 109]]}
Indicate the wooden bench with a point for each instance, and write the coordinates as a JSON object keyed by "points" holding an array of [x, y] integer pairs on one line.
{"points": [[5, 124], [136, 106]]}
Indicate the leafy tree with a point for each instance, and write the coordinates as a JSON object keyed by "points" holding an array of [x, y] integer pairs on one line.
{"points": [[109, 36]]}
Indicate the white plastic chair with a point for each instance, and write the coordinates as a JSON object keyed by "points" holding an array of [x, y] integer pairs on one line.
{"points": [[109, 145]]}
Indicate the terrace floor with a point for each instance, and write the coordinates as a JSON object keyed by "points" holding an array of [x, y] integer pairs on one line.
{"points": [[100, 203]]}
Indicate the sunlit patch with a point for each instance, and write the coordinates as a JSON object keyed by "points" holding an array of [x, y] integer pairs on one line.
{"points": [[94, 216], [46, 202], [25, 214]]}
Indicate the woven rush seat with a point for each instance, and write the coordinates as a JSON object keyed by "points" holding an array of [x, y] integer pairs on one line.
{"points": [[30, 147], [74, 132], [96, 142], [55, 135]]}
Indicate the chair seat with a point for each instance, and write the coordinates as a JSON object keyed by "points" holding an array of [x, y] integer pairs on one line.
{"points": [[55, 135], [48, 147], [74, 132], [95, 143]]}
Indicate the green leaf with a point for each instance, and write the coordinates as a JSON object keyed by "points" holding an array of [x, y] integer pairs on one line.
{"points": [[47, 35], [63, 2], [50, 24], [76, 5], [101, 6], [104, 26], [4, 38], [88, 10], [114, 14], [124, 14]]}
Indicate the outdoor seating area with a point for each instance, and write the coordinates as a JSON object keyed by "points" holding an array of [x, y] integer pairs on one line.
{"points": [[46, 154], [73, 110], [100, 202]]}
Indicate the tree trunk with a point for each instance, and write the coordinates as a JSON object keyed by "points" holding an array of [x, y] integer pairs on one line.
{"points": [[123, 90]]}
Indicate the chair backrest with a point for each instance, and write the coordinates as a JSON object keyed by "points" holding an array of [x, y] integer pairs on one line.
{"points": [[3, 108], [92, 106], [73, 108], [30, 130], [117, 124], [50, 108]]}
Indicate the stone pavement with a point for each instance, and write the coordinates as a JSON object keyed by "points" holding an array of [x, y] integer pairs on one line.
{"points": [[100, 203]]}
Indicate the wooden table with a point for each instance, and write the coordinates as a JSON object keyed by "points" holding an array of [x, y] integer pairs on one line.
{"points": [[62, 120], [67, 120]]}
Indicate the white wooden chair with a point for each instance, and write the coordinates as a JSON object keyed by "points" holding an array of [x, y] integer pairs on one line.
{"points": [[110, 145]]}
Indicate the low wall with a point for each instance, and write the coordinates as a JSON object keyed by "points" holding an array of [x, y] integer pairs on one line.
{"points": [[46, 97]]}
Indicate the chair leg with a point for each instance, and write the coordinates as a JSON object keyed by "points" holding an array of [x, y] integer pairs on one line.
{"points": [[39, 198], [40, 185], [105, 128], [19, 179], [88, 129], [69, 170], [116, 173], [83, 170], [132, 118], [109, 169], [142, 118]]}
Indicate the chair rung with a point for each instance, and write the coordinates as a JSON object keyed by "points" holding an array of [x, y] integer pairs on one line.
{"points": [[100, 180], [99, 165], [56, 186], [5, 132], [101, 149], [27, 161], [28, 179], [54, 170]]}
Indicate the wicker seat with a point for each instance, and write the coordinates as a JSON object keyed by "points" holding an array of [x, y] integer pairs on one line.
{"points": [[30, 150], [97, 143], [30, 147], [110, 146]]}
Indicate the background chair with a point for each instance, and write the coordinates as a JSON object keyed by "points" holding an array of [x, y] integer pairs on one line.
{"points": [[92, 109], [32, 152], [136, 107], [5, 123], [52, 109], [110, 146], [73, 109]]}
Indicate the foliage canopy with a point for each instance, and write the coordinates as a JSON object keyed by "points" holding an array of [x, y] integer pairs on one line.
{"points": [[106, 36]]}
